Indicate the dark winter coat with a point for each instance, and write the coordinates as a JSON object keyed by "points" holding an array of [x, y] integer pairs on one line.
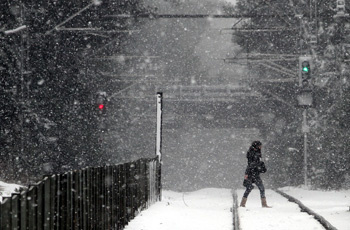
{"points": [[255, 165]]}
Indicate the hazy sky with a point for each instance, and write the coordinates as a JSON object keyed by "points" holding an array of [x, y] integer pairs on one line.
{"points": [[231, 1]]}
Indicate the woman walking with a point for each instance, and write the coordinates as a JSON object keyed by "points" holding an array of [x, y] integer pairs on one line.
{"points": [[252, 174]]}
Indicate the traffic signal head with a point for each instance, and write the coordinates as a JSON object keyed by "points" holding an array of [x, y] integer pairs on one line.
{"points": [[305, 72], [101, 108], [100, 102], [305, 67]]}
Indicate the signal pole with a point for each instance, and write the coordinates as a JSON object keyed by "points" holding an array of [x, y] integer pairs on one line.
{"points": [[305, 100], [305, 129]]}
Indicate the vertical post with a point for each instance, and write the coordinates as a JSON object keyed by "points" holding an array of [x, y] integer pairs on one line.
{"points": [[159, 142], [40, 207], [32, 207], [5, 210], [22, 116], [47, 204], [15, 214], [305, 159], [63, 195], [23, 211], [54, 202], [159, 126], [305, 130]]}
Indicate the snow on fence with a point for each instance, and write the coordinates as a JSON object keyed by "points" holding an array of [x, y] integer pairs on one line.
{"points": [[93, 198]]}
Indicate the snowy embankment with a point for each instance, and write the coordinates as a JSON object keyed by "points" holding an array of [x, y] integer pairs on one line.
{"points": [[209, 209], [283, 214], [206, 209], [7, 189], [331, 205]]}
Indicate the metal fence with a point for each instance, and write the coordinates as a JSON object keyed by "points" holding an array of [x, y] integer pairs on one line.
{"points": [[93, 198]]}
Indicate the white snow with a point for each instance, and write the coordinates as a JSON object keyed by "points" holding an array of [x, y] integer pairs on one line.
{"points": [[210, 209], [206, 209], [331, 205], [7, 189], [283, 214]]}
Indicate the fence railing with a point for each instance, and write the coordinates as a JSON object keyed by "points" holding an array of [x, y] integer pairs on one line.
{"points": [[93, 198]]}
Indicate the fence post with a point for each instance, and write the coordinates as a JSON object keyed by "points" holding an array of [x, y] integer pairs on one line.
{"points": [[54, 203], [123, 196], [89, 198], [69, 204], [128, 184], [63, 185], [148, 173], [75, 199], [152, 181], [93, 209], [131, 195], [138, 178], [145, 183], [15, 213], [109, 204], [147, 186], [101, 197], [84, 199], [97, 198], [143, 180], [114, 201], [32, 207], [40, 206], [6, 214], [80, 199], [119, 195], [159, 180], [24, 210], [47, 204]]}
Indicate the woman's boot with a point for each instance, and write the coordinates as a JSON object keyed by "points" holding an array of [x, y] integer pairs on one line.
{"points": [[264, 203], [243, 202]]}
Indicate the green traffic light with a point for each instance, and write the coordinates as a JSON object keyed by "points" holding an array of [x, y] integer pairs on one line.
{"points": [[305, 69]]}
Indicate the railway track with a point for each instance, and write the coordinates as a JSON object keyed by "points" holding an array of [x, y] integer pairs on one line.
{"points": [[287, 213]]}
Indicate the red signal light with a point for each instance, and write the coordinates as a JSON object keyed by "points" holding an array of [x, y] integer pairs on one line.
{"points": [[101, 106]]}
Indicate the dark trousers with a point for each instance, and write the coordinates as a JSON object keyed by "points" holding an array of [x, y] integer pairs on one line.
{"points": [[250, 187]]}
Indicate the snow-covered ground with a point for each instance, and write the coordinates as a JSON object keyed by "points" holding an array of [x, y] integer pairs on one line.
{"points": [[283, 215], [206, 209], [7, 189], [331, 205], [209, 209]]}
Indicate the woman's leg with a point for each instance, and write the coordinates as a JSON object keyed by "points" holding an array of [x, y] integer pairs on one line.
{"points": [[261, 187], [249, 188]]}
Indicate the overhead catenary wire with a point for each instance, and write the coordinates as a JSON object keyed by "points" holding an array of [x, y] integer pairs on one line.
{"points": [[94, 2]]}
